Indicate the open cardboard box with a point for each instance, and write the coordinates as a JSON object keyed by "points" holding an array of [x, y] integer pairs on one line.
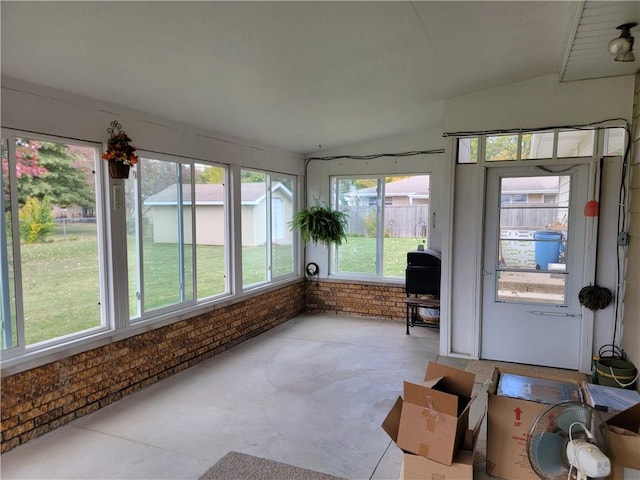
{"points": [[415, 467], [624, 444], [508, 423], [433, 417]]}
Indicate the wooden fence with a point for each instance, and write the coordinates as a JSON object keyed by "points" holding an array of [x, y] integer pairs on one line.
{"points": [[536, 218], [399, 222], [412, 221]]}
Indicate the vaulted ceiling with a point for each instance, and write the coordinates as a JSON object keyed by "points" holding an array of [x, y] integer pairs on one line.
{"points": [[296, 75]]}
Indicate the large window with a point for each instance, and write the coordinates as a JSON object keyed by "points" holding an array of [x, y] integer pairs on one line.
{"points": [[268, 202], [50, 241], [387, 217], [64, 280], [176, 230]]}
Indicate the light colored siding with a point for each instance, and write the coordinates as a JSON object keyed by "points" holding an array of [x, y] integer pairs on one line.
{"points": [[210, 225]]}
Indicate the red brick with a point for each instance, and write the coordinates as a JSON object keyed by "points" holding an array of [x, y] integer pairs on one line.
{"points": [[43, 398]]}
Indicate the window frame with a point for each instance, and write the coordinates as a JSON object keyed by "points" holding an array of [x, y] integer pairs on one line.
{"points": [[156, 314], [379, 201], [270, 277], [557, 133], [21, 349]]}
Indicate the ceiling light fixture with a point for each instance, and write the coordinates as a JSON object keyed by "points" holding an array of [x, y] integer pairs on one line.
{"points": [[622, 47]]}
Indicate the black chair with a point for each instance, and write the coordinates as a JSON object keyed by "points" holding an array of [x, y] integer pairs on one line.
{"points": [[422, 285]]}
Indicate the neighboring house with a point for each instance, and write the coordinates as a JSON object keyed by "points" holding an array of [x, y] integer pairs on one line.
{"points": [[408, 191], [415, 191], [210, 216], [530, 190], [75, 212]]}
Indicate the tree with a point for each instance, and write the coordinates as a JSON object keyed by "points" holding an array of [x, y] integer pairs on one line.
{"points": [[211, 175], [62, 181], [249, 176], [156, 175], [26, 163], [505, 147], [27, 158], [36, 221]]}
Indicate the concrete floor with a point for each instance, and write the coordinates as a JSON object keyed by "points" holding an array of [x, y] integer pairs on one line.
{"points": [[312, 393]]}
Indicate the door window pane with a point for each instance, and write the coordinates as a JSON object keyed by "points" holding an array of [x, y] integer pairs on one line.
{"points": [[531, 265]]}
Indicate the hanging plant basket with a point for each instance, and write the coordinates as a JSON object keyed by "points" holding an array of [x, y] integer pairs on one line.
{"points": [[119, 170], [120, 153], [320, 224]]}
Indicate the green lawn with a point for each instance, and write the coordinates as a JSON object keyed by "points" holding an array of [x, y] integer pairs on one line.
{"points": [[161, 271], [358, 255], [60, 276], [60, 283]]}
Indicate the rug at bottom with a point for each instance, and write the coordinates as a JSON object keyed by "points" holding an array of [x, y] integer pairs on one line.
{"points": [[236, 466]]}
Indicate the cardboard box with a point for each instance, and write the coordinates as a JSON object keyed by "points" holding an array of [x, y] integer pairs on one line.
{"points": [[624, 444], [434, 415], [508, 423], [415, 467]]}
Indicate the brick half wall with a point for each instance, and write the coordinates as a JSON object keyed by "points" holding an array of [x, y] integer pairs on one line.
{"points": [[360, 299], [41, 399]]}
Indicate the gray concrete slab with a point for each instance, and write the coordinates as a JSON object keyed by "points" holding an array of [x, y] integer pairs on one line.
{"points": [[311, 392]]}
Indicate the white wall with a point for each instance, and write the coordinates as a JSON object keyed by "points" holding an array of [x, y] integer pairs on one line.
{"points": [[40, 109], [541, 102], [535, 103], [319, 171]]}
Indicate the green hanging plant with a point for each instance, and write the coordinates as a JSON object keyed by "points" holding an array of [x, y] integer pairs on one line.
{"points": [[320, 224]]}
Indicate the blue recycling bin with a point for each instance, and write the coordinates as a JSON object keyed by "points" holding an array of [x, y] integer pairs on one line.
{"points": [[548, 248]]}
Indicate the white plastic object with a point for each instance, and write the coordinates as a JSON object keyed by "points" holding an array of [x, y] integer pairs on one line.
{"points": [[588, 460]]}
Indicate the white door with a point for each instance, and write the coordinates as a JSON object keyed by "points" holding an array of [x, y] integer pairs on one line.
{"points": [[535, 233]]}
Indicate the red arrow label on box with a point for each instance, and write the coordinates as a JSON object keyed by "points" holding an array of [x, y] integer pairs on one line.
{"points": [[518, 412]]}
